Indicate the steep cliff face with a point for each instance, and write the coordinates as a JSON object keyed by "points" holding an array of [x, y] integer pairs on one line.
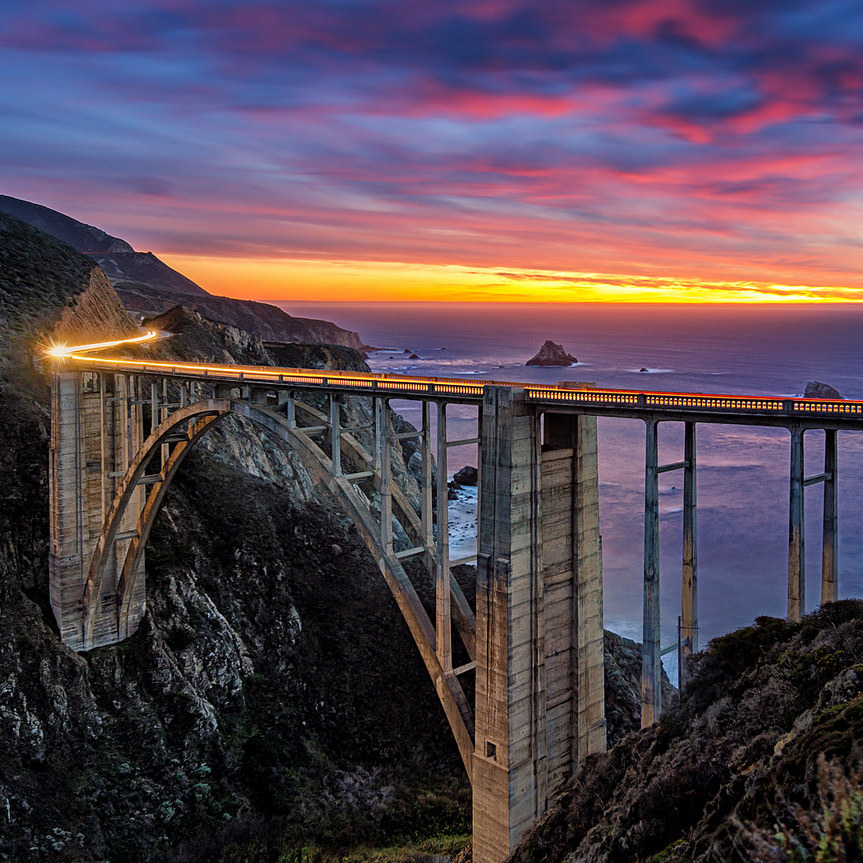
{"points": [[48, 287]]}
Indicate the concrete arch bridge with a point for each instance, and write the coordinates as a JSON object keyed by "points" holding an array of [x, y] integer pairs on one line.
{"points": [[534, 640]]}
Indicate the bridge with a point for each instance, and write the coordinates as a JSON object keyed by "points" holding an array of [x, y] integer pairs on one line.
{"points": [[533, 640]]}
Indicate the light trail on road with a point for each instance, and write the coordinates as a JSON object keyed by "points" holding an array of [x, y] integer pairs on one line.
{"points": [[703, 407]]}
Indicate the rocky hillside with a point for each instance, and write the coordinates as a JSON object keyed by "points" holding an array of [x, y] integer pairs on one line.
{"points": [[48, 287], [762, 760], [148, 286]]}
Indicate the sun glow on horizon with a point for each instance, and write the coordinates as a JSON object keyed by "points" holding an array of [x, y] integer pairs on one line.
{"points": [[299, 280]]}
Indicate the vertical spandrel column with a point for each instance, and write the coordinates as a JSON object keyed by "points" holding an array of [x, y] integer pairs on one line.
{"points": [[335, 436], [426, 490], [382, 453], [443, 608], [830, 538]]}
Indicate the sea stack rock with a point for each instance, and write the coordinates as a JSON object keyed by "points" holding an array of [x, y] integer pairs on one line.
{"points": [[466, 476], [819, 390], [551, 354]]}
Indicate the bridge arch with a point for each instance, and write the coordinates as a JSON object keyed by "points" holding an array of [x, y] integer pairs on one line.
{"points": [[183, 429], [536, 638]]}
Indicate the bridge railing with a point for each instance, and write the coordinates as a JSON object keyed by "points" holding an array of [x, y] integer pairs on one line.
{"points": [[772, 405], [472, 390]]}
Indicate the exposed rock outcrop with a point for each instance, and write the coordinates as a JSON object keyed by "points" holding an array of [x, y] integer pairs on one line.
{"points": [[468, 475], [551, 354], [819, 390]]}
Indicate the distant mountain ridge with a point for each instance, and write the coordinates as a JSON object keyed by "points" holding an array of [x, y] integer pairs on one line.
{"points": [[150, 287], [85, 238]]}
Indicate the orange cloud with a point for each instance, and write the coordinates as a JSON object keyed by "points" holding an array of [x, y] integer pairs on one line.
{"points": [[370, 281]]}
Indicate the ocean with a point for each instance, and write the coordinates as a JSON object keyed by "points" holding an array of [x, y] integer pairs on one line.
{"points": [[742, 471]]}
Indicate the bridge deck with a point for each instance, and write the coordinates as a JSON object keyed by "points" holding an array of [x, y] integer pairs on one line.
{"points": [[562, 398]]}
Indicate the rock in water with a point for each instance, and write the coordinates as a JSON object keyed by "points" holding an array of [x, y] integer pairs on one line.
{"points": [[819, 390], [466, 476], [551, 354]]}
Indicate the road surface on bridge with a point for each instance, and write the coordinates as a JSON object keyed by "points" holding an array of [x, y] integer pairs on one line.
{"points": [[567, 397]]}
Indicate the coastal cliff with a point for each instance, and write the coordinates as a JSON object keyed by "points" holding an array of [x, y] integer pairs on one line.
{"points": [[272, 696]]}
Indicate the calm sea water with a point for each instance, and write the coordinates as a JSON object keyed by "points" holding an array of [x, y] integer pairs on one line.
{"points": [[743, 472]]}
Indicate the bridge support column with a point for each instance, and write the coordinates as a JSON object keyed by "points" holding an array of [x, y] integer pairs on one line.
{"points": [[427, 504], [830, 540], [382, 462], [651, 663], [335, 436], [796, 548], [443, 617], [689, 582], [95, 431], [539, 673]]}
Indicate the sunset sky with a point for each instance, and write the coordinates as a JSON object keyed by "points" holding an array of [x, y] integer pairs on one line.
{"points": [[493, 149]]}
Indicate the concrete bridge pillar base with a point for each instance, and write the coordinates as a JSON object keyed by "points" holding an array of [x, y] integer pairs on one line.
{"points": [[96, 429], [540, 705]]}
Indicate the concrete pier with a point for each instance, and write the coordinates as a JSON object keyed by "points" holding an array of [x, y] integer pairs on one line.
{"points": [[651, 668], [539, 677], [96, 429], [689, 569], [830, 532], [796, 534]]}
